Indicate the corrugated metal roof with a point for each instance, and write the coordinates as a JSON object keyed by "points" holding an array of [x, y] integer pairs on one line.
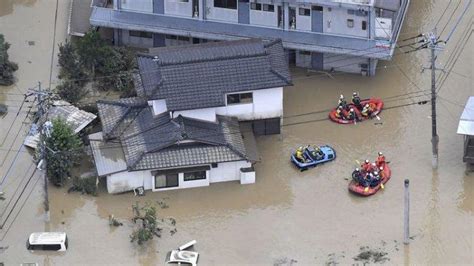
{"points": [[108, 157], [466, 123], [75, 117]]}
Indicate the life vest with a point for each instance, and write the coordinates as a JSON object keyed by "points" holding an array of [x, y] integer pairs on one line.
{"points": [[380, 160]]}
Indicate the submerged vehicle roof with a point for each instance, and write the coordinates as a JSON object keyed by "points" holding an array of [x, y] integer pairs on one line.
{"points": [[47, 237]]}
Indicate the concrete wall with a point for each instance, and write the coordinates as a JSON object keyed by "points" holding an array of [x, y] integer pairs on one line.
{"points": [[229, 171], [137, 5], [179, 8], [127, 181], [264, 18], [335, 21], [303, 23], [136, 41], [222, 14]]}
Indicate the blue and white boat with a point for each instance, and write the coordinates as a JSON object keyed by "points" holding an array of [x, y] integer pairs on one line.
{"points": [[312, 158]]}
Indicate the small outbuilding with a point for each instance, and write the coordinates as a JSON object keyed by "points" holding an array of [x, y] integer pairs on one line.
{"points": [[466, 128]]}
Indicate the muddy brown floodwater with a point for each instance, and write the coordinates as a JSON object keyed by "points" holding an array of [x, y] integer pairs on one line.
{"points": [[287, 217]]}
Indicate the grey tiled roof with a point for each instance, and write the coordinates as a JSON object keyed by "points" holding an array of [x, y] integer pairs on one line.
{"points": [[199, 76], [117, 115], [151, 142]]}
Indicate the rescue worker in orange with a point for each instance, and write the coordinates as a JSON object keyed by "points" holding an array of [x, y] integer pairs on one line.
{"points": [[366, 166], [380, 160]]}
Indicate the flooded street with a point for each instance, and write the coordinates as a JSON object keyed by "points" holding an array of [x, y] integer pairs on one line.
{"points": [[286, 217]]}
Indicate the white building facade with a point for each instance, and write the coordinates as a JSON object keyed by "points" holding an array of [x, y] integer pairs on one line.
{"points": [[318, 34]]}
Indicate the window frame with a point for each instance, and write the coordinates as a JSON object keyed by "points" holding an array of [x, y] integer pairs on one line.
{"points": [[364, 25], [193, 178], [140, 34], [269, 8], [350, 23], [239, 98], [225, 4], [256, 6], [306, 11], [166, 175]]}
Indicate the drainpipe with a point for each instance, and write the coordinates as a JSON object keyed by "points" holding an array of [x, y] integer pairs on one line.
{"points": [[286, 15]]}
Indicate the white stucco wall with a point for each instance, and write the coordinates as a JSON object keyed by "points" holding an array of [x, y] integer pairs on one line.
{"points": [[338, 18], [126, 181], [159, 106], [137, 5], [179, 8], [303, 23], [208, 114], [222, 14], [229, 171], [264, 18], [136, 41], [344, 63], [267, 103]]}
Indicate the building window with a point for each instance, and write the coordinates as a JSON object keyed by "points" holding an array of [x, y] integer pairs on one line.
{"points": [[317, 8], [166, 180], [256, 6], [305, 53], [181, 38], [141, 34], [364, 25], [350, 23], [329, 9], [304, 12], [239, 98], [268, 8], [350, 11], [198, 175], [231, 4]]}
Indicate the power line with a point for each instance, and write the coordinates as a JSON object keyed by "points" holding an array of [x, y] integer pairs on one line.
{"points": [[21, 207], [442, 15], [450, 17]]}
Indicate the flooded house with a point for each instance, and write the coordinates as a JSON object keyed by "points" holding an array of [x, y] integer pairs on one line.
{"points": [[186, 127], [466, 128]]}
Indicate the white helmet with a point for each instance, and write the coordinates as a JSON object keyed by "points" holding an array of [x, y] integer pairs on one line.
{"points": [[376, 173], [357, 169], [373, 164], [341, 97], [366, 161], [354, 93], [352, 110], [380, 153], [381, 168], [367, 105]]}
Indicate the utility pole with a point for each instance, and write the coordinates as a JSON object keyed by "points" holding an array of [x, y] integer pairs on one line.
{"points": [[42, 111], [432, 41]]}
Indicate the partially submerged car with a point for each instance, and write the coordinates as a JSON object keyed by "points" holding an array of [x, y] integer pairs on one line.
{"points": [[181, 256]]}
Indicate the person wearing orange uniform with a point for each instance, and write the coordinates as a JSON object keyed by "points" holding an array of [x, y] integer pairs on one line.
{"points": [[366, 166], [380, 160]]}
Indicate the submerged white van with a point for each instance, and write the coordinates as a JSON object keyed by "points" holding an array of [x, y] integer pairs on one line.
{"points": [[54, 241]]}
